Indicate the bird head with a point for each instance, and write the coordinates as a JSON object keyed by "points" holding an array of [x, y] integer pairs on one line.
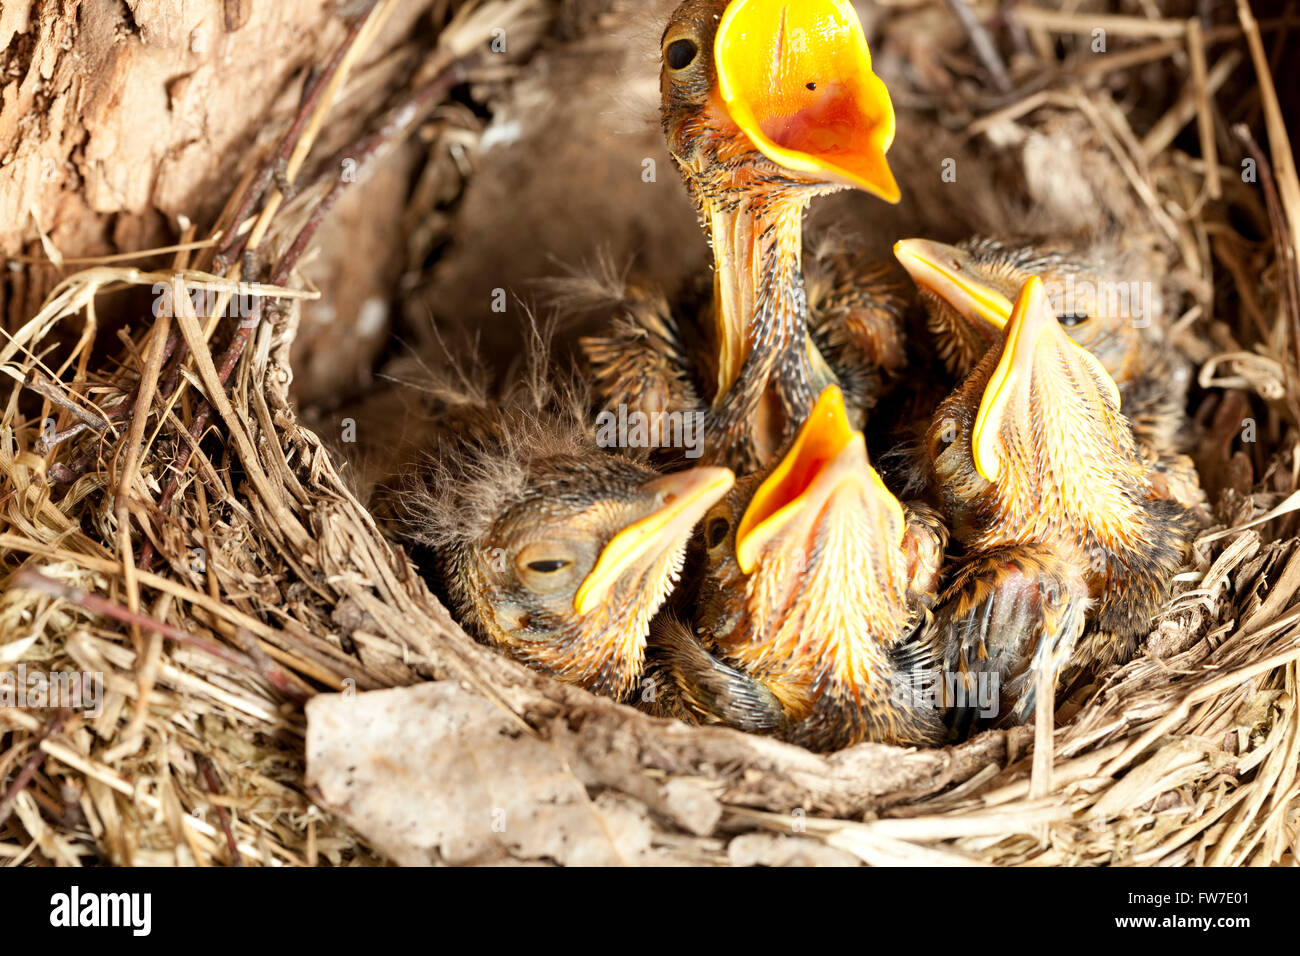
{"points": [[766, 104], [811, 579], [571, 574], [968, 291], [1034, 438], [547, 544], [774, 94]]}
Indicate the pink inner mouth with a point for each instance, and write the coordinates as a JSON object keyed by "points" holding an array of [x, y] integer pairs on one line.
{"points": [[823, 125]]}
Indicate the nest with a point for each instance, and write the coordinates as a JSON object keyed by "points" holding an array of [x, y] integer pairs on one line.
{"points": [[167, 522]]}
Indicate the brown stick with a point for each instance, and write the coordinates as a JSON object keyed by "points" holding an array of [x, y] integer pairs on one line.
{"points": [[202, 418], [1204, 108], [134, 444], [1285, 252], [210, 778], [43, 385], [234, 242], [396, 122], [982, 44], [269, 671], [29, 768], [120, 412]]}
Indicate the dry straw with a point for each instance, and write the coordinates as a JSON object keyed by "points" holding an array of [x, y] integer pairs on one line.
{"points": [[179, 532]]}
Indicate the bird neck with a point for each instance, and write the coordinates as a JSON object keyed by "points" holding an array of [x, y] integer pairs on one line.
{"points": [[605, 652], [960, 341], [759, 295]]}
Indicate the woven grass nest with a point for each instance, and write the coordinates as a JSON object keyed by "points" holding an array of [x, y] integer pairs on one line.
{"points": [[178, 530]]}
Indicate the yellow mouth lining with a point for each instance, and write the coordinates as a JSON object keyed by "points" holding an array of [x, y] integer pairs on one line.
{"points": [[734, 252], [689, 495], [797, 79], [1031, 321]]}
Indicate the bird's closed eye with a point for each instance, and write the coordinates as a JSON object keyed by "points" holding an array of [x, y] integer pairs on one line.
{"points": [[545, 567], [1071, 319], [715, 532], [680, 54], [548, 566]]}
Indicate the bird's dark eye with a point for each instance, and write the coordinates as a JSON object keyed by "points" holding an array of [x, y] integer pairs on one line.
{"points": [[681, 54], [1071, 319], [715, 532], [547, 566]]}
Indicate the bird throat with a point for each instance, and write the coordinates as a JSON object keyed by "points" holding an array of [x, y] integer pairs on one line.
{"points": [[760, 307], [823, 618]]}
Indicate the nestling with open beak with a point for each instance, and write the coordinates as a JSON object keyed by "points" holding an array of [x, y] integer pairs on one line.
{"points": [[816, 579], [549, 547], [968, 290], [765, 105], [1070, 550]]}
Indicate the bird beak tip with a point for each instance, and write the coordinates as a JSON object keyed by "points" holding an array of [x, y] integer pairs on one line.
{"points": [[1032, 331], [1023, 332], [947, 272], [682, 499]]}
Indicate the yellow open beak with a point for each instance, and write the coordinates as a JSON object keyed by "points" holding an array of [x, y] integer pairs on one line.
{"points": [[682, 499], [948, 272], [1032, 336], [826, 452], [796, 77]]}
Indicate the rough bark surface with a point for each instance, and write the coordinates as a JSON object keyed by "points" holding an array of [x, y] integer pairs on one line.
{"points": [[121, 120]]}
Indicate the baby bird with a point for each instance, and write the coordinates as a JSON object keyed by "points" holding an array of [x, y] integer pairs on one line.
{"points": [[816, 578], [1069, 549], [765, 105], [548, 546], [968, 290]]}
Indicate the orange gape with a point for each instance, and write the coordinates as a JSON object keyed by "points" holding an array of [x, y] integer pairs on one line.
{"points": [[815, 578], [804, 92], [967, 291]]}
